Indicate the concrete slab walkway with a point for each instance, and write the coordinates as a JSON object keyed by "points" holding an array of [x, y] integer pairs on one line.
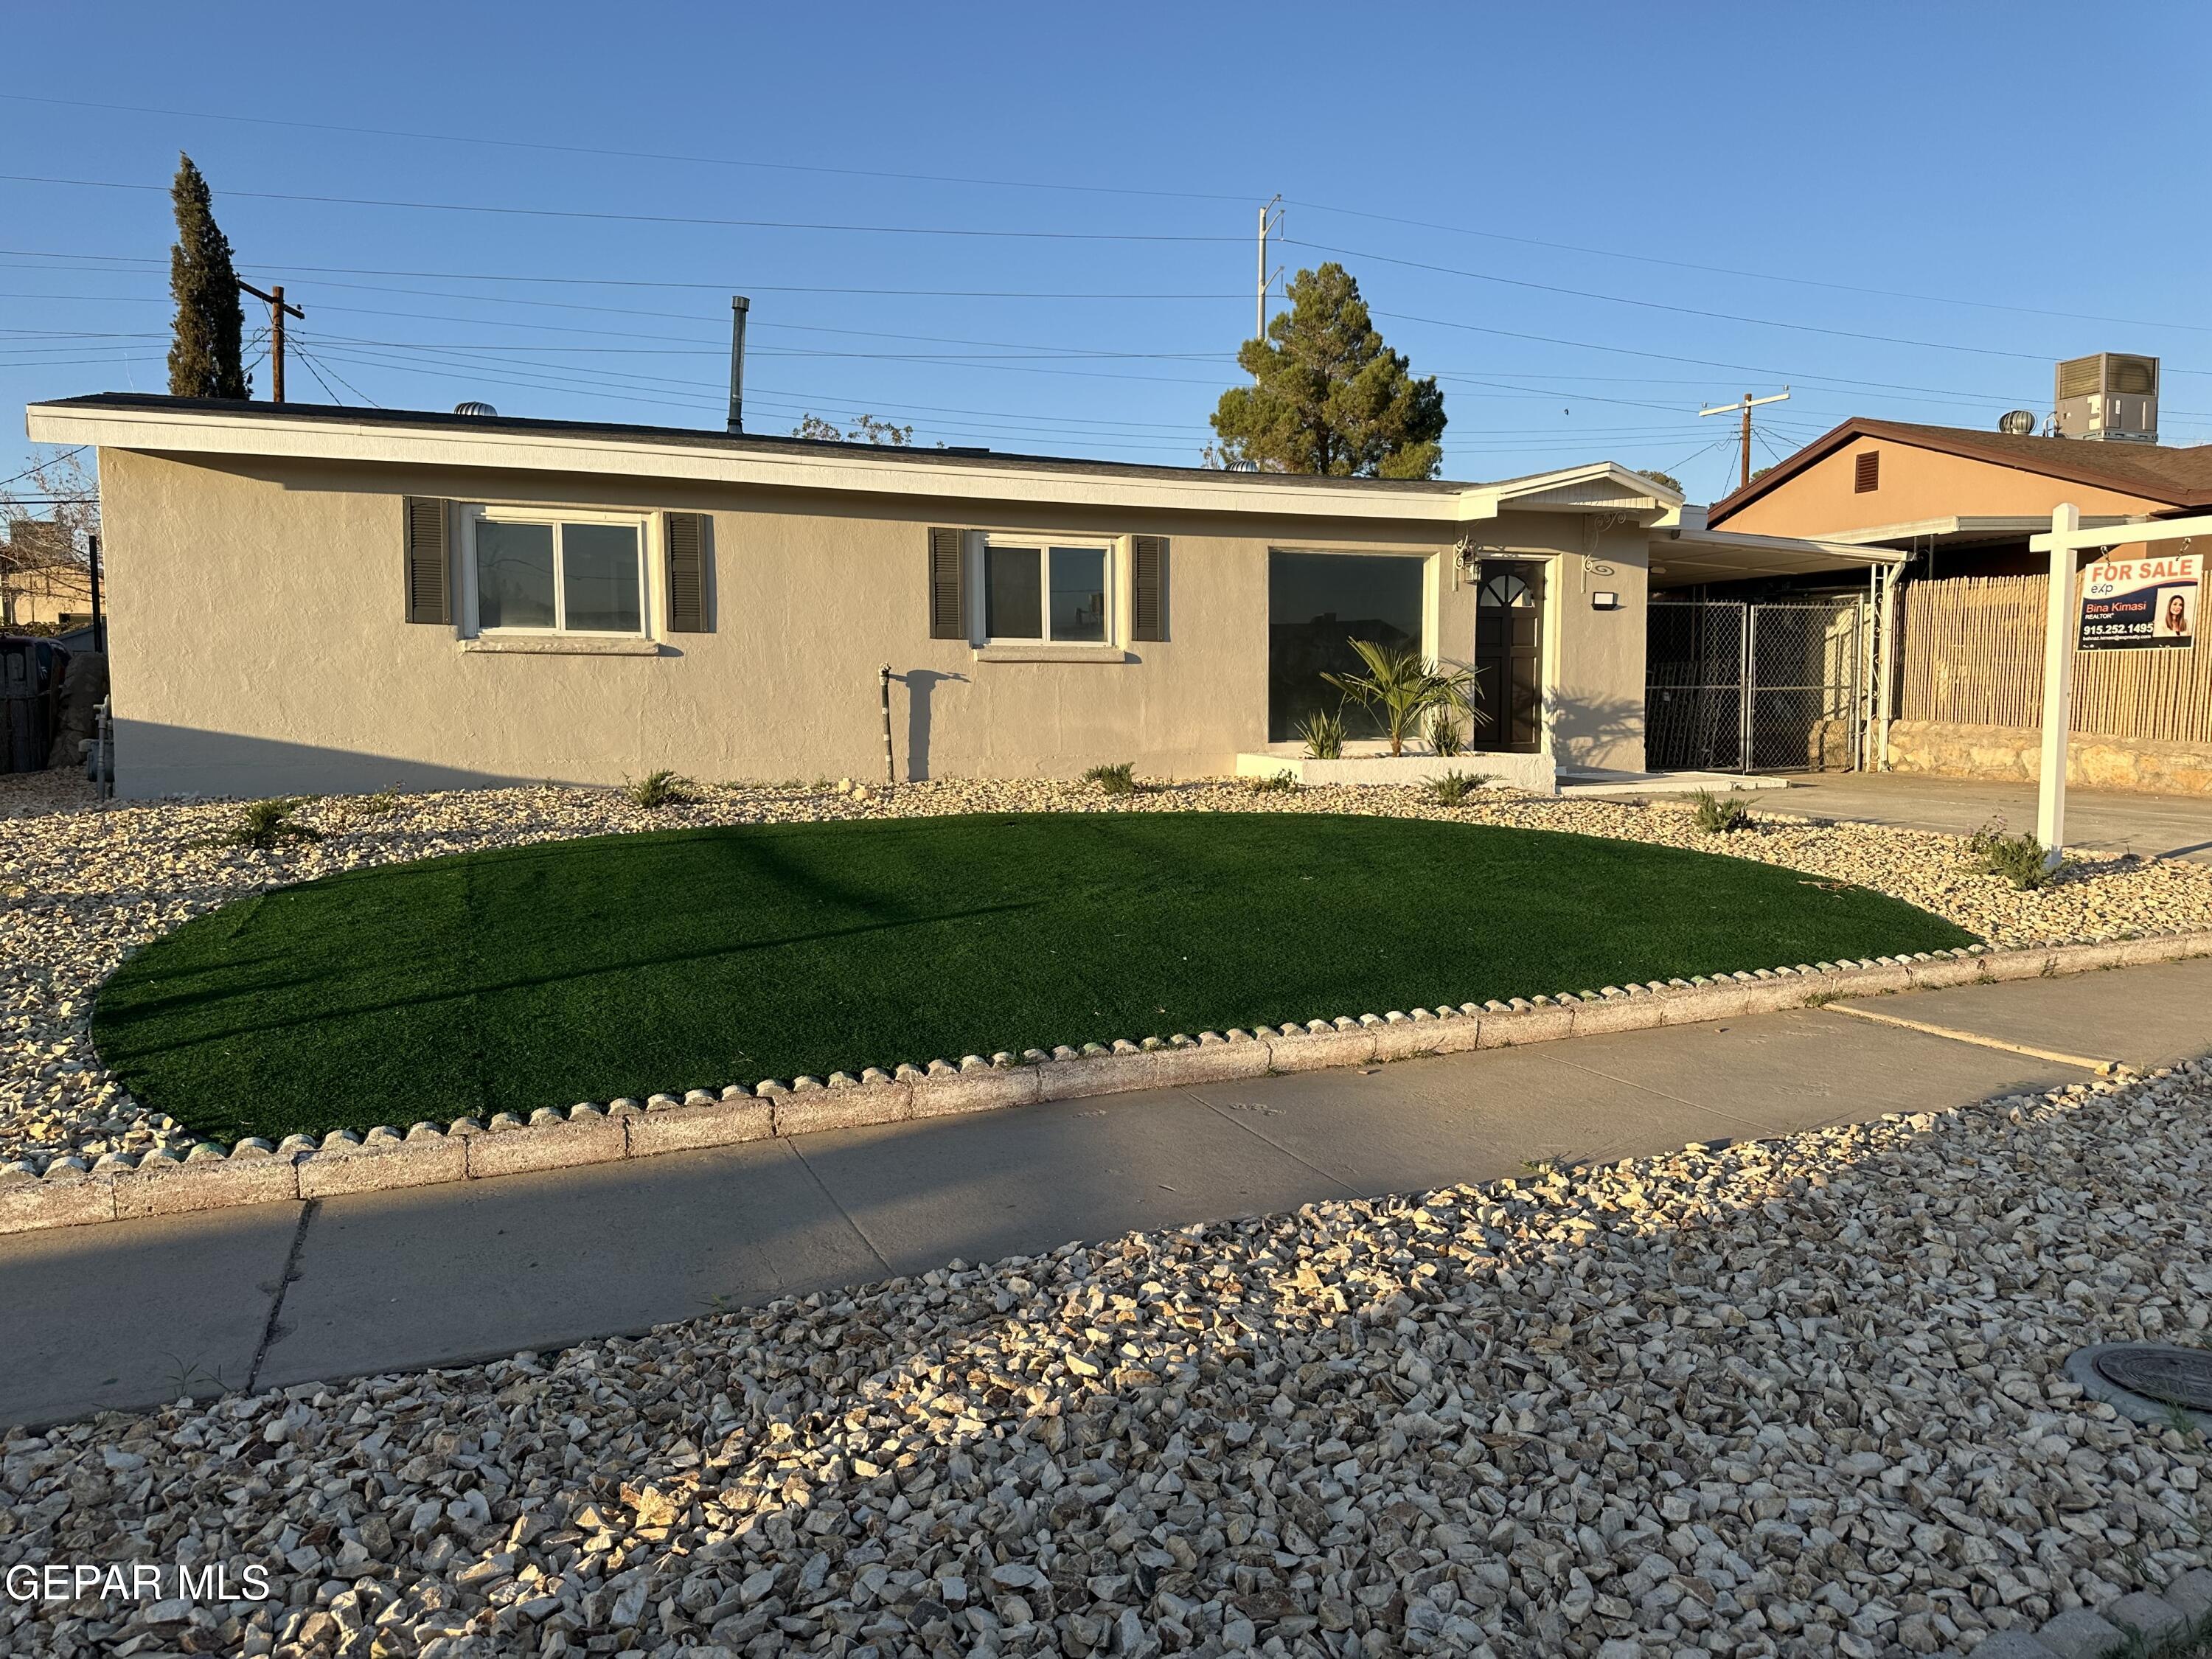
{"points": [[2098, 820], [134, 1313]]}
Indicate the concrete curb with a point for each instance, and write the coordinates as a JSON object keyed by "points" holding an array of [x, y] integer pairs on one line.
{"points": [[124, 1187]]}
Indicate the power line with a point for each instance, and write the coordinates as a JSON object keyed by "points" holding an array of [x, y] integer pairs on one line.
{"points": [[51, 460], [640, 281], [627, 154], [643, 218], [1688, 311], [1107, 190], [1755, 276]]}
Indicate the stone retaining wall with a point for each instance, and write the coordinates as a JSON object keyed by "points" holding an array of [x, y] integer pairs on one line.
{"points": [[124, 1186], [2014, 754]]}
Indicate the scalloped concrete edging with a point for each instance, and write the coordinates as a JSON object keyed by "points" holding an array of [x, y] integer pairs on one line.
{"points": [[126, 1187]]}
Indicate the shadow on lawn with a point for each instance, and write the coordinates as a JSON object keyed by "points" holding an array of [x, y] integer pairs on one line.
{"points": [[183, 1002]]}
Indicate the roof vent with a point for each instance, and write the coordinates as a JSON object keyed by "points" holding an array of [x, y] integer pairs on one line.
{"points": [[2111, 396], [2020, 422], [1243, 466], [476, 410]]}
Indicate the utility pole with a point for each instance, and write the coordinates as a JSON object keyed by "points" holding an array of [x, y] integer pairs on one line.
{"points": [[1747, 405], [1275, 210], [277, 311]]}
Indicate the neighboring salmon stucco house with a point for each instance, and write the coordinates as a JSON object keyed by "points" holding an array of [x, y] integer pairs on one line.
{"points": [[313, 599]]}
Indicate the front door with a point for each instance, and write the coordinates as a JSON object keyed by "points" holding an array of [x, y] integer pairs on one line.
{"points": [[1508, 657]]}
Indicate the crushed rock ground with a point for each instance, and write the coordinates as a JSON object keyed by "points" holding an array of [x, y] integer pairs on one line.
{"points": [[83, 884], [1794, 1397]]}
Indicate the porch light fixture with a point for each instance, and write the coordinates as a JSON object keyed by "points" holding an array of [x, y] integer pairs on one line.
{"points": [[1605, 601]]}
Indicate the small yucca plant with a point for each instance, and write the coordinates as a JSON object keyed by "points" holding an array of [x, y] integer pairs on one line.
{"points": [[268, 824], [1454, 788], [658, 789], [1323, 732], [1119, 779], [1718, 815], [2021, 860], [1445, 738]]}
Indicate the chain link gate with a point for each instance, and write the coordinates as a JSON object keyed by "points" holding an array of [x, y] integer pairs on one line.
{"points": [[1755, 686]]}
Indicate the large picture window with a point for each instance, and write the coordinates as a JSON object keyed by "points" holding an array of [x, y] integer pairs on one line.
{"points": [[556, 574], [1039, 590], [1317, 604]]}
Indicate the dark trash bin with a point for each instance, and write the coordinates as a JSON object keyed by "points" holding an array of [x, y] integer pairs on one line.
{"points": [[31, 671]]}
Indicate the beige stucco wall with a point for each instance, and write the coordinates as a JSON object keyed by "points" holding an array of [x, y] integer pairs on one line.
{"points": [[1916, 483], [258, 645]]}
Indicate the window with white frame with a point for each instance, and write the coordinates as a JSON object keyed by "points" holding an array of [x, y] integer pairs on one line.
{"points": [[543, 571], [1038, 589]]}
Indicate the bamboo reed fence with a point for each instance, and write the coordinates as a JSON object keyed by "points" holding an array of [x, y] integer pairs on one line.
{"points": [[1971, 652]]}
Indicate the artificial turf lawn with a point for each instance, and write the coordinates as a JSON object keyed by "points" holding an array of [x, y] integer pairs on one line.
{"points": [[542, 975]]}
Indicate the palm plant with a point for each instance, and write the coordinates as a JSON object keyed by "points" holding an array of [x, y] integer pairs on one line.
{"points": [[1401, 686]]}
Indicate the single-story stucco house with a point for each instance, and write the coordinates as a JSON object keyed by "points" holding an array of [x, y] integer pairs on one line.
{"points": [[313, 599]]}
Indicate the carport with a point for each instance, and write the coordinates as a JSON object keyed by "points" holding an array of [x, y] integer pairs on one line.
{"points": [[1766, 653]]}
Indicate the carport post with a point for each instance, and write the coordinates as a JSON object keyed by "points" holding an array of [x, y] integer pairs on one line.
{"points": [[2057, 684]]}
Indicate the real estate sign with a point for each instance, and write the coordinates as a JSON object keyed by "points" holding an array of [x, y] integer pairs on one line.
{"points": [[2131, 604]]}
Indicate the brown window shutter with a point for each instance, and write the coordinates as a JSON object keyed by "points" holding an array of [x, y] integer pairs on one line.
{"points": [[1148, 587], [686, 534], [429, 571], [1868, 473], [948, 585]]}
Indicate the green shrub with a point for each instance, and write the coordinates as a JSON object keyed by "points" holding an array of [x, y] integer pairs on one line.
{"points": [[1720, 815], [1445, 738], [2021, 860], [1285, 782], [1454, 787], [658, 789], [1119, 779], [267, 823], [1323, 733]]}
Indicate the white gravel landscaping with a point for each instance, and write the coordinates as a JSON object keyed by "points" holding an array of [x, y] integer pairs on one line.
{"points": [[1797, 1396], [81, 885]]}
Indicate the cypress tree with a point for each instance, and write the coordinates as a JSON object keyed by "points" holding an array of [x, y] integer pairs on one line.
{"points": [[205, 355]]}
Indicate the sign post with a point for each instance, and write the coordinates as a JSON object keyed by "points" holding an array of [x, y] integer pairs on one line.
{"points": [[2057, 684], [2125, 605]]}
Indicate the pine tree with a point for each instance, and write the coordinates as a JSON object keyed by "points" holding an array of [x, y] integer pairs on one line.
{"points": [[1328, 396], [205, 355]]}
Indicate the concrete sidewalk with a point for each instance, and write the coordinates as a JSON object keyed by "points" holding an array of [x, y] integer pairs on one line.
{"points": [[133, 1313]]}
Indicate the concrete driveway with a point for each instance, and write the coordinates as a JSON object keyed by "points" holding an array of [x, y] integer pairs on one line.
{"points": [[2102, 820]]}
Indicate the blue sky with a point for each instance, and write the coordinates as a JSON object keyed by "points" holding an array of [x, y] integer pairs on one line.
{"points": [[1568, 165]]}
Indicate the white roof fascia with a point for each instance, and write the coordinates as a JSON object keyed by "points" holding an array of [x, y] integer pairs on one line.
{"points": [[1727, 541], [277, 437], [1971, 524]]}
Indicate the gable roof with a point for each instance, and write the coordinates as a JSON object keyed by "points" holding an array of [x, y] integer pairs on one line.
{"points": [[212, 426], [2175, 478]]}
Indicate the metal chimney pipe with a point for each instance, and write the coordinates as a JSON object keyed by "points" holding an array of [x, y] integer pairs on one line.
{"points": [[738, 305]]}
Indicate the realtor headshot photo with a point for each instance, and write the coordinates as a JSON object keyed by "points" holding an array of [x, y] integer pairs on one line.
{"points": [[2176, 620]]}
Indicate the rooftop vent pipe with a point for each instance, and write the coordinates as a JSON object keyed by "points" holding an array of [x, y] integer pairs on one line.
{"points": [[738, 305]]}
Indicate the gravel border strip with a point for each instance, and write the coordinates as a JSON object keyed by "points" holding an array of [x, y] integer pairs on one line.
{"points": [[2137, 1625], [124, 1185]]}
